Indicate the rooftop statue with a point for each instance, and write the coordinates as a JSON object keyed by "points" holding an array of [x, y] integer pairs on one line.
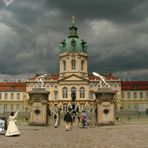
{"points": [[73, 20], [103, 80], [40, 79]]}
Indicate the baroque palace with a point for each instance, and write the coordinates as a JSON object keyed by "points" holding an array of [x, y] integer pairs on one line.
{"points": [[73, 76]]}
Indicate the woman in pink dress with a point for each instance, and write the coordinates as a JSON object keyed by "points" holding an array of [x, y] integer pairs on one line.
{"points": [[12, 129]]}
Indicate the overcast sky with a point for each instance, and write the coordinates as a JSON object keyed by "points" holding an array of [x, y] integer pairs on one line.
{"points": [[116, 32]]}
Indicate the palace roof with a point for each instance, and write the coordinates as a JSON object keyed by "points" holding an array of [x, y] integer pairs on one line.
{"points": [[90, 76], [106, 76], [134, 85], [12, 86], [48, 77]]}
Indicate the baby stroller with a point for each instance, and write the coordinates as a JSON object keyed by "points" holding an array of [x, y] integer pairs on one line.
{"points": [[3, 126]]}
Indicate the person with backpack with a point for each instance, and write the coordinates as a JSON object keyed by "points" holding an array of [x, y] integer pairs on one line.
{"points": [[68, 121]]}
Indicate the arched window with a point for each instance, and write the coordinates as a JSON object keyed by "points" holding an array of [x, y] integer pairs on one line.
{"points": [[73, 89], [82, 65], [64, 65], [73, 65], [55, 95], [65, 92], [82, 92]]}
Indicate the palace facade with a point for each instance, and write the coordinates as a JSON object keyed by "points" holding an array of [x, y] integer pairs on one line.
{"points": [[134, 96], [73, 76], [12, 97]]}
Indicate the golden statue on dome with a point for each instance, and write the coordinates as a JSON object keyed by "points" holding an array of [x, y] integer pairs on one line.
{"points": [[73, 20]]}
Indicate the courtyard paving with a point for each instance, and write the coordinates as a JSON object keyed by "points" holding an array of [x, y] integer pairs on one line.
{"points": [[129, 135]]}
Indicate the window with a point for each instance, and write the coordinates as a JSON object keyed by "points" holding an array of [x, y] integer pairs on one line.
{"points": [[141, 94], [6, 96], [17, 106], [135, 95], [122, 95], [11, 107], [73, 43], [73, 89], [73, 65], [91, 95], [135, 107], [64, 107], [146, 94], [64, 65], [129, 95], [18, 96], [82, 65], [5, 107], [65, 92], [129, 106], [82, 92], [12, 96], [55, 95]]}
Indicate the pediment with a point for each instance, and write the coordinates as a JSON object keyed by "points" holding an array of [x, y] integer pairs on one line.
{"points": [[73, 77]]}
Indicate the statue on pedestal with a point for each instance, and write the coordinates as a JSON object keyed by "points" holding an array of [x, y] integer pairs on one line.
{"points": [[73, 96], [40, 79], [102, 80]]}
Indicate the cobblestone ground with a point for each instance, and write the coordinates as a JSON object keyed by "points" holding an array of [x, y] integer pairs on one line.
{"points": [[117, 136]]}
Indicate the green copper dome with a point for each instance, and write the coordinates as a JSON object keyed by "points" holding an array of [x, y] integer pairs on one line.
{"points": [[73, 42]]}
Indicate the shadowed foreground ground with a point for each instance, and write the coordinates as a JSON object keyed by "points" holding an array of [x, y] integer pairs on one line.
{"points": [[118, 136]]}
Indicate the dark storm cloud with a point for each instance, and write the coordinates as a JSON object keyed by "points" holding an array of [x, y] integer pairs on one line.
{"points": [[117, 10], [115, 30], [28, 44]]}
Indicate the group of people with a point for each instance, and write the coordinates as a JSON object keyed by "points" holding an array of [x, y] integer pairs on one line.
{"points": [[69, 118]]}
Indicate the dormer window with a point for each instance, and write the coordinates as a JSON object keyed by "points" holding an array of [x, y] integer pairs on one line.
{"points": [[64, 43], [73, 43]]}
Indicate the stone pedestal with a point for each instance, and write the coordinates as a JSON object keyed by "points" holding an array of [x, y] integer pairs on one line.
{"points": [[38, 101], [105, 101]]}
